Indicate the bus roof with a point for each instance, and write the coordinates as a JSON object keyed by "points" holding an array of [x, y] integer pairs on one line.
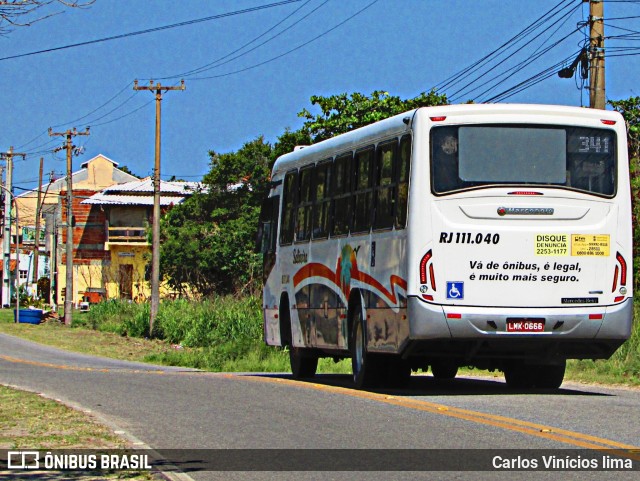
{"points": [[401, 123], [322, 150]]}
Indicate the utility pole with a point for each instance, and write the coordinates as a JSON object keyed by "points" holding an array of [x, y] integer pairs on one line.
{"points": [[68, 298], [53, 261], [36, 249], [155, 247], [597, 98], [6, 238]]}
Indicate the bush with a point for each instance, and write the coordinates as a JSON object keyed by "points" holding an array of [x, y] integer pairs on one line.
{"points": [[191, 324]]}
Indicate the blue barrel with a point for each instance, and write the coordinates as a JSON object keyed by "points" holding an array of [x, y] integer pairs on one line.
{"points": [[29, 316]]}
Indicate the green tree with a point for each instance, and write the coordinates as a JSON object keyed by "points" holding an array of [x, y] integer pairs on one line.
{"points": [[630, 110], [342, 113], [207, 241]]}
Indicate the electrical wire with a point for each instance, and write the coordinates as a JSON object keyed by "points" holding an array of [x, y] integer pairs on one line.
{"points": [[304, 44], [459, 93], [155, 29], [533, 80], [457, 77], [517, 68], [216, 63]]}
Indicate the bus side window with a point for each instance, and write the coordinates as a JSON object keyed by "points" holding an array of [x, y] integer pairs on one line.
{"points": [[385, 185], [288, 207], [403, 163], [321, 200], [305, 201], [268, 225], [363, 186], [341, 194], [444, 159]]}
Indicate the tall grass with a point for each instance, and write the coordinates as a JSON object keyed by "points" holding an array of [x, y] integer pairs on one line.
{"points": [[623, 366], [221, 334], [225, 334]]}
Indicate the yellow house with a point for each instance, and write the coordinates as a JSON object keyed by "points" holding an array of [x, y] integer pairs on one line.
{"points": [[128, 210], [95, 175], [111, 212]]}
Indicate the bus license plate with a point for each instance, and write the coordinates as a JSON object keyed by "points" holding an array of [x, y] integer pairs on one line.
{"points": [[525, 325]]}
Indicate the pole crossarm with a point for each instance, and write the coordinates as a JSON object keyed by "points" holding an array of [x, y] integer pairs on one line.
{"points": [[155, 246], [68, 297]]}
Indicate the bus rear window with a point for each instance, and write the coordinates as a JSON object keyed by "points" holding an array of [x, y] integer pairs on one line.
{"points": [[484, 155]]}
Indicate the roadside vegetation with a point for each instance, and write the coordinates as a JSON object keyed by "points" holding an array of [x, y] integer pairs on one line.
{"points": [[30, 421], [225, 335]]}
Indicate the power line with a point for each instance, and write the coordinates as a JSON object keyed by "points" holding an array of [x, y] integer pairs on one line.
{"points": [[457, 77], [216, 63], [535, 55], [533, 80], [516, 69], [93, 121], [293, 49], [155, 29]]}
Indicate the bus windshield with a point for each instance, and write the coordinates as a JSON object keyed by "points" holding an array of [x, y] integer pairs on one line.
{"points": [[469, 156]]}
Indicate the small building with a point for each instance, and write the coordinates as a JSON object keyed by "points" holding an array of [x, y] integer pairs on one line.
{"points": [[128, 213], [95, 174]]}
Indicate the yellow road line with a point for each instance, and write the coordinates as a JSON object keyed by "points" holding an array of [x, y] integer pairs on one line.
{"points": [[533, 429], [573, 438], [74, 368]]}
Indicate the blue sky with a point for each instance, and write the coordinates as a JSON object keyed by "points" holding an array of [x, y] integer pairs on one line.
{"points": [[321, 48]]}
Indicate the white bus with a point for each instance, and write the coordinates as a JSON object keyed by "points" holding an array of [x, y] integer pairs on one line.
{"points": [[493, 236]]}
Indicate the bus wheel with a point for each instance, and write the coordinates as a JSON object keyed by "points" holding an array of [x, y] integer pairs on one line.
{"points": [[303, 364], [444, 370], [550, 376], [519, 376], [366, 366]]}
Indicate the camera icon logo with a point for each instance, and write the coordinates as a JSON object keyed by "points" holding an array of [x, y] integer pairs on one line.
{"points": [[23, 460]]}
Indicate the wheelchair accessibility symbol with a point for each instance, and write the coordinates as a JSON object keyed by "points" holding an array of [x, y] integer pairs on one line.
{"points": [[455, 290]]}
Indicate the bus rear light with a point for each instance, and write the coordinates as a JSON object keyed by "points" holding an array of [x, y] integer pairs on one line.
{"points": [[454, 316], [432, 277], [525, 192], [608, 122], [424, 262], [423, 266], [595, 316], [623, 269], [618, 299], [438, 119], [620, 273], [427, 297]]}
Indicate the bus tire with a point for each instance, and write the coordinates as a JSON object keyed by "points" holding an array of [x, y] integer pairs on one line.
{"points": [[365, 365], [519, 376], [443, 370], [303, 364], [285, 321], [550, 376]]}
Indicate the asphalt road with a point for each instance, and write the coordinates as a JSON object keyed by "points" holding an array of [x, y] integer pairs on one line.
{"points": [[168, 408]]}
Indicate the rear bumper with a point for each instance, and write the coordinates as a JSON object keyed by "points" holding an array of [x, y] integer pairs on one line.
{"points": [[480, 332]]}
